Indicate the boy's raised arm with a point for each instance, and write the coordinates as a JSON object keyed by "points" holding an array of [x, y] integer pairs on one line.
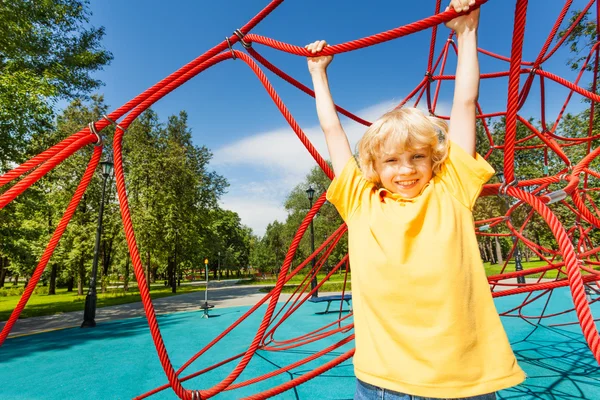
{"points": [[337, 141], [462, 129]]}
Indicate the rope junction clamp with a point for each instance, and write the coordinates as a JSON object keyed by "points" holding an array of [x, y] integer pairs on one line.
{"points": [[93, 130], [429, 76], [114, 123], [534, 70], [196, 395], [230, 48], [504, 186], [555, 196], [240, 36]]}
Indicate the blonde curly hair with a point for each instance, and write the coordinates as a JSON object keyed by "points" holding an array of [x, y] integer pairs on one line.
{"points": [[403, 129]]}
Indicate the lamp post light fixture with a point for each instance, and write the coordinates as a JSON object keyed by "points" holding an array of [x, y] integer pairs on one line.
{"points": [[89, 313], [313, 283]]}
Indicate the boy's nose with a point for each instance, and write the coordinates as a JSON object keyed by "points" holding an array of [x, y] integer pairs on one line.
{"points": [[406, 169]]}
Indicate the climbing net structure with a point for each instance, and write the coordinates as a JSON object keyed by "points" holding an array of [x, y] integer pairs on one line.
{"points": [[573, 258]]}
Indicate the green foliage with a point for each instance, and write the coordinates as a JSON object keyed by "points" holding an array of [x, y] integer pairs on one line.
{"points": [[269, 252], [42, 304], [47, 52], [581, 39], [173, 199]]}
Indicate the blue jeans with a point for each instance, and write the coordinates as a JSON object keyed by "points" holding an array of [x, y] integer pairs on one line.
{"points": [[365, 391]]}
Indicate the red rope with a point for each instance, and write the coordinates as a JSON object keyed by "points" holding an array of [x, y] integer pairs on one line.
{"points": [[569, 271]]}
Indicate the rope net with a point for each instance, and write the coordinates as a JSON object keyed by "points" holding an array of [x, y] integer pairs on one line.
{"points": [[572, 260]]}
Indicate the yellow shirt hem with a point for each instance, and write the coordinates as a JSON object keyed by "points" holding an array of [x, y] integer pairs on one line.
{"points": [[441, 390]]}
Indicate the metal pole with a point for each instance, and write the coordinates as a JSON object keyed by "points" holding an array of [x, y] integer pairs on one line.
{"points": [[205, 315], [206, 286], [89, 313], [313, 282], [518, 265]]}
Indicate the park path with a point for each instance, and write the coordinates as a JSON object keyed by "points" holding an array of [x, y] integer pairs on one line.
{"points": [[221, 294]]}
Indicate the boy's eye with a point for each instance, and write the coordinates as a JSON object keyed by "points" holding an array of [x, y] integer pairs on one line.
{"points": [[390, 160], [419, 156]]}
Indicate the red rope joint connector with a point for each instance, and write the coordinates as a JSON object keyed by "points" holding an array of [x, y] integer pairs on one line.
{"points": [[504, 186], [93, 130], [241, 36], [230, 48], [114, 123]]}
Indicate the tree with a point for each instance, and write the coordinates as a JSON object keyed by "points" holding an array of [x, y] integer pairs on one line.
{"points": [[171, 194], [47, 52]]}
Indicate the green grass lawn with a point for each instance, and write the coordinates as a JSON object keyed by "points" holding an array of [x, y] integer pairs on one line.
{"points": [[63, 301], [296, 280], [495, 269], [327, 287], [336, 282]]}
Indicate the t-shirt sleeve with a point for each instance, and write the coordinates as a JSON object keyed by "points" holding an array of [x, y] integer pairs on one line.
{"points": [[465, 175], [346, 189]]}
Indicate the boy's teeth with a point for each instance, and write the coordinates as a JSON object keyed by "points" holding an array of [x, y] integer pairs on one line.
{"points": [[407, 183]]}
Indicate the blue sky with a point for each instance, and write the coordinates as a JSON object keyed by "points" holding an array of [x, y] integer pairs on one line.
{"points": [[230, 112]]}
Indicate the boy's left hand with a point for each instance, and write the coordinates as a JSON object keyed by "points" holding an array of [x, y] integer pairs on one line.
{"points": [[465, 22]]}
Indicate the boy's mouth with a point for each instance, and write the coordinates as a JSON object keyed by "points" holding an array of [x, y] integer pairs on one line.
{"points": [[407, 184]]}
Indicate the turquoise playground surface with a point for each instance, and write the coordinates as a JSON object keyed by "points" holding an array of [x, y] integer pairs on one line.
{"points": [[117, 360]]}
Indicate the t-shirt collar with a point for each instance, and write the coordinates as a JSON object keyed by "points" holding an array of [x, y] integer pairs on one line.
{"points": [[383, 192]]}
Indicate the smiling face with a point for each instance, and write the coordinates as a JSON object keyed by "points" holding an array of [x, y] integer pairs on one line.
{"points": [[404, 172], [402, 150]]}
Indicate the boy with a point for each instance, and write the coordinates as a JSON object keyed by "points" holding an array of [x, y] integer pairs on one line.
{"points": [[425, 322]]}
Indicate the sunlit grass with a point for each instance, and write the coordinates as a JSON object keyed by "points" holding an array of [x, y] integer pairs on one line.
{"points": [[63, 301]]}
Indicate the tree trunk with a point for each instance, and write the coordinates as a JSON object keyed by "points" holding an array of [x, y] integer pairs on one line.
{"points": [[490, 252], [70, 283], [482, 253], [3, 270], [106, 261], [53, 272], [172, 275], [16, 282], [498, 250], [126, 274], [538, 242], [81, 277], [148, 269]]}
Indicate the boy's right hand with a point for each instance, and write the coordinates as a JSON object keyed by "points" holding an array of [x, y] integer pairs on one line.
{"points": [[317, 63]]}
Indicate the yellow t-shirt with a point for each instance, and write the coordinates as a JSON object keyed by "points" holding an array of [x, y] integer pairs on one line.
{"points": [[424, 318]]}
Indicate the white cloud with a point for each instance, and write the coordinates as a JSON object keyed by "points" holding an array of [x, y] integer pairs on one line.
{"points": [[256, 212], [277, 161]]}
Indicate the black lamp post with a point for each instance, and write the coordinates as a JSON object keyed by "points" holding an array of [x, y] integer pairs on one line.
{"points": [[313, 283], [518, 264], [89, 313], [174, 268]]}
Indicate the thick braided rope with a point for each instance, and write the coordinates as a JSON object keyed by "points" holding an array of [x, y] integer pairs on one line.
{"points": [[513, 89], [58, 232], [129, 228], [48, 165], [363, 42], [510, 148], [574, 275], [40, 158]]}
